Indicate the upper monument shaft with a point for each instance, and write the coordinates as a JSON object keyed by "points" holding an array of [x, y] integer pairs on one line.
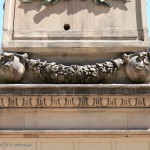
{"points": [[78, 24]]}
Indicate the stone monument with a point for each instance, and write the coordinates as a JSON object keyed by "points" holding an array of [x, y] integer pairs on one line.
{"points": [[75, 75]]}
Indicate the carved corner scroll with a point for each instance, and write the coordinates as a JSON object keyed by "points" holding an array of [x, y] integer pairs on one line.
{"points": [[98, 2]]}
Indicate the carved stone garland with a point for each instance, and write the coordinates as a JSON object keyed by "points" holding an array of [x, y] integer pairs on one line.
{"points": [[14, 66]]}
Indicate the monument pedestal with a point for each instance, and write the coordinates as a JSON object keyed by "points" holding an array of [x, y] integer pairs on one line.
{"points": [[63, 95]]}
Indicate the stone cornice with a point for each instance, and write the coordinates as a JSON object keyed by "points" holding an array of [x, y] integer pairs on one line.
{"points": [[73, 133]]}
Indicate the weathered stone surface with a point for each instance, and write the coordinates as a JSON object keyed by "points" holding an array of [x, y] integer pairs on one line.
{"points": [[75, 116], [80, 107], [15, 67], [93, 28], [74, 143], [74, 89]]}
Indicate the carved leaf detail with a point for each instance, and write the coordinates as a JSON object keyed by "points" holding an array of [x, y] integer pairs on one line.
{"points": [[97, 2]]}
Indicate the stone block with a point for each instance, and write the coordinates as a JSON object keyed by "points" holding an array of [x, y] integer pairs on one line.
{"points": [[93, 29]]}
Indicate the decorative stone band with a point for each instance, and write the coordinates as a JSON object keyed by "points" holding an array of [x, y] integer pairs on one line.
{"points": [[80, 101], [75, 96], [98, 2]]}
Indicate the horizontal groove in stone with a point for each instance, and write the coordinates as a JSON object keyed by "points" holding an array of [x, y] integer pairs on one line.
{"points": [[61, 89]]}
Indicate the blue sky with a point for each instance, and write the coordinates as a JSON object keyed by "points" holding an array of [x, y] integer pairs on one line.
{"points": [[1, 16]]}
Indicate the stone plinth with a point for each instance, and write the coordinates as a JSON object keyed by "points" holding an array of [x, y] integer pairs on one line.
{"points": [[74, 117], [77, 107]]}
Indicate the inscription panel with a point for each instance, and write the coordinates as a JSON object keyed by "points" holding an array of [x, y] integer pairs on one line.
{"points": [[74, 144], [18, 144]]}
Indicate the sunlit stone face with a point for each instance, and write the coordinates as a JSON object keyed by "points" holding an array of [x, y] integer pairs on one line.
{"points": [[75, 24]]}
